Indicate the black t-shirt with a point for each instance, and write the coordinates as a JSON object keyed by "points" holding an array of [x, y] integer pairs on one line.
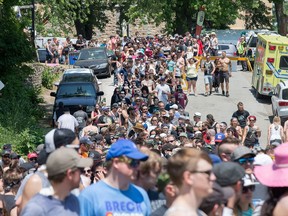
{"points": [[241, 116]]}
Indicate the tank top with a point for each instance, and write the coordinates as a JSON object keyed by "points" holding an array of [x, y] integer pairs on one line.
{"points": [[208, 68], [275, 132], [191, 71]]}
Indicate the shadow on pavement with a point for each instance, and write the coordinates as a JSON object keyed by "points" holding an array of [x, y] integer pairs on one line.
{"points": [[263, 99]]}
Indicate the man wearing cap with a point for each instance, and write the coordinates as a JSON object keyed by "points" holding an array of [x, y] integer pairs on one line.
{"points": [[85, 144], [6, 160], [180, 97], [197, 120], [229, 175], [64, 176], [118, 196], [68, 121]]}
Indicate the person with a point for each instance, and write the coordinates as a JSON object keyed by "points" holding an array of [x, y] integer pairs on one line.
{"points": [[49, 54], [59, 111], [245, 206], [275, 131], [191, 171], [105, 120], [90, 128], [251, 133], [118, 195], [80, 43], [241, 114], [33, 183], [63, 168], [275, 177], [209, 68], [214, 44], [192, 75], [230, 175], [11, 183], [235, 128], [245, 157], [225, 73], [180, 97], [67, 121], [81, 117], [85, 144], [163, 91], [226, 147], [241, 49]]}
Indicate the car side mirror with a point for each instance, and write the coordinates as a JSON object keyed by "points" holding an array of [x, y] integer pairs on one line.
{"points": [[100, 93], [53, 94], [99, 83]]}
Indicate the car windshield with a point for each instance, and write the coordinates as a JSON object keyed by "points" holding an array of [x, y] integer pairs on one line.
{"points": [[76, 90], [90, 54], [253, 42], [77, 78]]}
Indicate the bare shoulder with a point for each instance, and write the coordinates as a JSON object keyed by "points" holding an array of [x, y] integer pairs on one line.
{"points": [[281, 207]]}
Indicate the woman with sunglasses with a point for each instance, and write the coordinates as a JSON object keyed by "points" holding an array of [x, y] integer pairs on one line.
{"points": [[251, 133], [245, 206]]}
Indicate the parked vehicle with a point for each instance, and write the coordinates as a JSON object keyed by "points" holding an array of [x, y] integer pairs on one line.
{"points": [[73, 94], [279, 101], [96, 59], [80, 75], [271, 63], [230, 49]]}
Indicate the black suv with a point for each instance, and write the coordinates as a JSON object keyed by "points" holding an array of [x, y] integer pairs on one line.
{"points": [[96, 59], [73, 94]]}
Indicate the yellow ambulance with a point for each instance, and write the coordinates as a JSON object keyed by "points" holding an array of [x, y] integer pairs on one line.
{"points": [[271, 63]]}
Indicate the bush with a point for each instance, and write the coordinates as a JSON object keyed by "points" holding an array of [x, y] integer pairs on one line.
{"points": [[48, 78]]}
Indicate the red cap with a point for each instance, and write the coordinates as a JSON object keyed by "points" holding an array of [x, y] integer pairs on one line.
{"points": [[32, 155], [252, 118]]}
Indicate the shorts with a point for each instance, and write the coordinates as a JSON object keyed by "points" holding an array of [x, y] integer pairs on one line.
{"points": [[192, 79], [49, 57], [224, 76], [208, 79]]}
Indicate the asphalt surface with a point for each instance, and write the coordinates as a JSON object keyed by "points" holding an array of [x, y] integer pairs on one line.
{"points": [[219, 106]]}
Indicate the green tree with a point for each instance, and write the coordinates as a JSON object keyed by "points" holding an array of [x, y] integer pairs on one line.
{"points": [[281, 16]]}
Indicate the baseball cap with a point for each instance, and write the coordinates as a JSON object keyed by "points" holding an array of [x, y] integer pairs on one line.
{"points": [[96, 156], [262, 159], [105, 108], [240, 152], [85, 140], [174, 106], [63, 159], [248, 180], [198, 114], [14, 155], [252, 118], [32, 155], [219, 137], [228, 173], [7, 147], [6, 152], [97, 138], [183, 135], [125, 147], [115, 105]]}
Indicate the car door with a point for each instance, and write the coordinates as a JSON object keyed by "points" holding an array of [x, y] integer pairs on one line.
{"points": [[275, 98]]}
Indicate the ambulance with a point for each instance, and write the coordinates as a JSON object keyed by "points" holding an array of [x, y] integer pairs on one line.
{"points": [[271, 63]]}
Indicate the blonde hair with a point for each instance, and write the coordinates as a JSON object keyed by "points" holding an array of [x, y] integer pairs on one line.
{"points": [[276, 119], [153, 161], [185, 159]]}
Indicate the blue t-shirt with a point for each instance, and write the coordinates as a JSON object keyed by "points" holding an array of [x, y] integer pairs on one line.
{"points": [[103, 200], [41, 205], [171, 65]]}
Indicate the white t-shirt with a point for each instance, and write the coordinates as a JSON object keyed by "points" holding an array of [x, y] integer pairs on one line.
{"points": [[162, 91], [68, 121]]}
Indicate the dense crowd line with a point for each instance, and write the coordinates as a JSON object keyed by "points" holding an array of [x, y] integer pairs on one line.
{"points": [[143, 154]]}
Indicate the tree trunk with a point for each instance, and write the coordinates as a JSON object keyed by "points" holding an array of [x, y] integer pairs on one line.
{"points": [[86, 29], [281, 17]]}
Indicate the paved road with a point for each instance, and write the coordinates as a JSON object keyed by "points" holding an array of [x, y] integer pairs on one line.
{"points": [[222, 107]]}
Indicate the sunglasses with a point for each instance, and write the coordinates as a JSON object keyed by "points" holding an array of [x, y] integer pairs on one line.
{"points": [[207, 172], [131, 162], [246, 160], [251, 188]]}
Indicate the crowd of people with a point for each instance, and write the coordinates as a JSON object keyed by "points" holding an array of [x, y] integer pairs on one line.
{"points": [[143, 154]]}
